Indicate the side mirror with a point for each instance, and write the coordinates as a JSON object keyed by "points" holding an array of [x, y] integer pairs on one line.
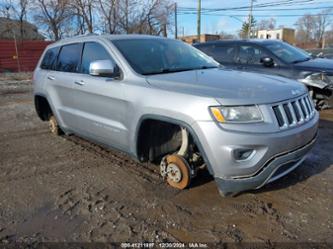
{"points": [[103, 68], [267, 61]]}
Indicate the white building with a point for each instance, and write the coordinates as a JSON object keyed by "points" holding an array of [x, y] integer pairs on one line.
{"points": [[284, 34]]}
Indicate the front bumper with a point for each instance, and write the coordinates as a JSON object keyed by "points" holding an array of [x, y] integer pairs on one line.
{"points": [[273, 170], [273, 152]]}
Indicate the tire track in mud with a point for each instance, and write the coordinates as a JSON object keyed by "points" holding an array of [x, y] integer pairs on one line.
{"points": [[147, 171]]}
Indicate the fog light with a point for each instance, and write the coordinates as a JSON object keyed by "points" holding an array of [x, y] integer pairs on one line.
{"points": [[242, 154]]}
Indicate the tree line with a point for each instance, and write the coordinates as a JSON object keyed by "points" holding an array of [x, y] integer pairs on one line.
{"points": [[316, 29], [57, 19]]}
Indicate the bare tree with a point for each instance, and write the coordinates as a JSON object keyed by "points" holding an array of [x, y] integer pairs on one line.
{"points": [[267, 24], [305, 28], [84, 9], [7, 9], [21, 14], [52, 14], [152, 17], [322, 22], [108, 10], [16, 10], [312, 28]]}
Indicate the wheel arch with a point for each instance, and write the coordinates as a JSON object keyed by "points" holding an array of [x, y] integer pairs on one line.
{"points": [[173, 121], [42, 107]]}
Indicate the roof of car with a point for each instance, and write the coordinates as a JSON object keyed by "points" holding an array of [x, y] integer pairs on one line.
{"points": [[105, 36], [255, 41]]}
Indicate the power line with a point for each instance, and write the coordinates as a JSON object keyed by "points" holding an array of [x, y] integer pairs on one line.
{"points": [[261, 5], [268, 15], [289, 9]]}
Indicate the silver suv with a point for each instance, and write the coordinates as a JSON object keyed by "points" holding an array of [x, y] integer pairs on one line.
{"points": [[163, 101]]}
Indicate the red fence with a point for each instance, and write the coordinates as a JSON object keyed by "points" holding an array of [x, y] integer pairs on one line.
{"points": [[26, 58]]}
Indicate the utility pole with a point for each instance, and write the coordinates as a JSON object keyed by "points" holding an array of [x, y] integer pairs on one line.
{"points": [[16, 50], [176, 22], [126, 15], [250, 20], [199, 20]]}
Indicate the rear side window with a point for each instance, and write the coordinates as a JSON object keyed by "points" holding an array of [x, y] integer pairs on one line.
{"points": [[221, 53], [69, 58], [50, 58], [93, 51]]}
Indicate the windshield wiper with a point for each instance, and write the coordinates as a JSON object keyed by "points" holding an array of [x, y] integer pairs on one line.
{"points": [[302, 60], [175, 70]]}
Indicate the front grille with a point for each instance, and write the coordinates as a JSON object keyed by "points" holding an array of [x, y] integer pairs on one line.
{"points": [[294, 112]]}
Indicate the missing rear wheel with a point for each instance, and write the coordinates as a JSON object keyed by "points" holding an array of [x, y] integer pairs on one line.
{"points": [[54, 127]]}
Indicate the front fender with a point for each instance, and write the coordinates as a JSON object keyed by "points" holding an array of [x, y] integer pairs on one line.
{"points": [[176, 122]]}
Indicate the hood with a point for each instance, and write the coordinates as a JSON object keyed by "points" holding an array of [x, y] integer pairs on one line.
{"points": [[230, 87], [318, 64]]}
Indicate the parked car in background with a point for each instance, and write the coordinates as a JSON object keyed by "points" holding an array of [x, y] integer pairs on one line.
{"points": [[322, 53], [163, 101], [275, 57]]}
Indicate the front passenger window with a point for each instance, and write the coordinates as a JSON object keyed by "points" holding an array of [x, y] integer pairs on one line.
{"points": [[93, 51], [250, 55]]}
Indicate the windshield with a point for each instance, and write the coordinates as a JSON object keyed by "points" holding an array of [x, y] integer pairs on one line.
{"points": [[156, 56], [287, 53]]}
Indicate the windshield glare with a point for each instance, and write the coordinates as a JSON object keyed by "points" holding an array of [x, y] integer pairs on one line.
{"points": [[287, 53], [154, 56]]}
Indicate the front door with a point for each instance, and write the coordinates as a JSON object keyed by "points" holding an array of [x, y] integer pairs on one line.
{"points": [[249, 59], [99, 101]]}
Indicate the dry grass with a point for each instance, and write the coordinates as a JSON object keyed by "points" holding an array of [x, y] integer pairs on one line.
{"points": [[16, 76]]}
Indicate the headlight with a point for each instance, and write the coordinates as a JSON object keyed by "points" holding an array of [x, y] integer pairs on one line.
{"points": [[237, 114], [320, 80]]}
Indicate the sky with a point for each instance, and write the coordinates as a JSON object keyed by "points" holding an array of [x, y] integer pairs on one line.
{"points": [[231, 22]]}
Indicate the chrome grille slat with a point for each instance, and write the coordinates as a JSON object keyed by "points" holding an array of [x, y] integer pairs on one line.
{"points": [[284, 116], [305, 110], [307, 105], [308, 101], [300, 110], [293, 112]]}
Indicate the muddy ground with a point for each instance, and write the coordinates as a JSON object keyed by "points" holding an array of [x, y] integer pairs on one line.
{"points": [[67, 189]]}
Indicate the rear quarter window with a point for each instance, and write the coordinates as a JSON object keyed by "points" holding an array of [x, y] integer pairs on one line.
{"points": [[69, 58], [49, 59]]}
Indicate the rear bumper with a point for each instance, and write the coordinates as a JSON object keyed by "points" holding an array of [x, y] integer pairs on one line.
{"points": [[273, 170]]}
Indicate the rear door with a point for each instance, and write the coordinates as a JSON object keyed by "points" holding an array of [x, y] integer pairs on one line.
{"points": [[47, 65], [99, 101], [60, 84]]}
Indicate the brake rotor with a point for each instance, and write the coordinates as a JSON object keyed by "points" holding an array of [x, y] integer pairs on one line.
{"points": [[177, 172]]}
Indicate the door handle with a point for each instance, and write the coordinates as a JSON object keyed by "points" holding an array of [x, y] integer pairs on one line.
{"points": [[50, 77], [80, 83]]}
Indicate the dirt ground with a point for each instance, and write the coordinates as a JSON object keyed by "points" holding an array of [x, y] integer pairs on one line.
{"points": [[67, 189]]}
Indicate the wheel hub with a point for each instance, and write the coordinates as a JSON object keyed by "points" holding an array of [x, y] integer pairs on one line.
{"points": [[175, 169], [174, 173]]}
